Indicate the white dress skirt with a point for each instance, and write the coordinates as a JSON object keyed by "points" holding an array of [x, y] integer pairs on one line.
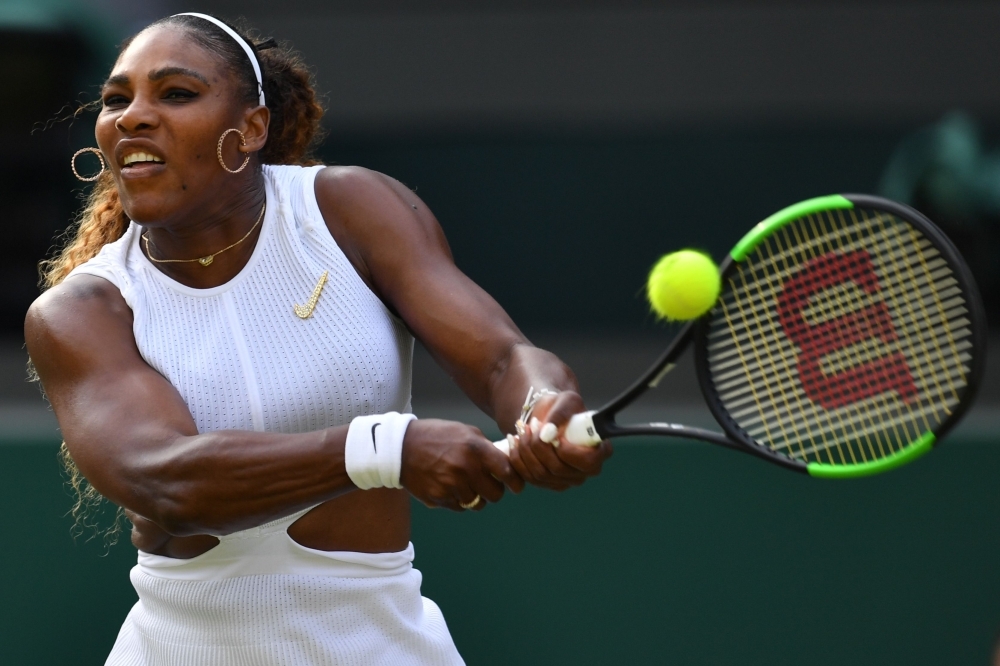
{"points": [[261, 599]]}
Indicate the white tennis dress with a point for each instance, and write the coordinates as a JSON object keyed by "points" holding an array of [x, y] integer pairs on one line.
{"points": [[242, 360]]}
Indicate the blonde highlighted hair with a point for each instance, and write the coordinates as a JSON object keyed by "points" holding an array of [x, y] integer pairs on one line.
{"points": [[293, 132], [101, 221]]}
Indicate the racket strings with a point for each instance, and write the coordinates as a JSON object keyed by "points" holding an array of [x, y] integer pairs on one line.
{"points": [[910, 311], [861, 429], [884, 246], [869, 432], [842, 338]]}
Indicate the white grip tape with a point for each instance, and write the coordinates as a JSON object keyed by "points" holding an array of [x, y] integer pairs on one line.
{"points": [[373, 452], [504, 445], [580, 431]]}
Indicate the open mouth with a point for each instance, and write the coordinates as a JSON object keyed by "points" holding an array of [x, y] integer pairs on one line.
{"points": [[139, 159]]}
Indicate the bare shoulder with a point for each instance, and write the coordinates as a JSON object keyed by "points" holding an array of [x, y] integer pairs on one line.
{"points": [[368, 206], [83, 314], [382, 226], [66, 306], [348, 187]]}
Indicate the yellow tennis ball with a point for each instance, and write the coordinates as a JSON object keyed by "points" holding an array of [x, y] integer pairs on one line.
{"points": [[683, 285]]}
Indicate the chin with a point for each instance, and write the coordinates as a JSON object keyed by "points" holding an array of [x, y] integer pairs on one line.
{"points": [[148, 205], [148, 208]]}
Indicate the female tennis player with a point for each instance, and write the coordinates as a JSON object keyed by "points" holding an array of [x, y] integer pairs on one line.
{"points": [[227, 346]]}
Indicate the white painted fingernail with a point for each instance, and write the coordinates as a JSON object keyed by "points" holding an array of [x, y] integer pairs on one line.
{"points": [[549, 434], [511, 442], [533, 426]]}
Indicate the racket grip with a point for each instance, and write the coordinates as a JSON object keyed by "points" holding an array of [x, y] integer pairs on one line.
{"points": [[580, 431], [503, 445]]}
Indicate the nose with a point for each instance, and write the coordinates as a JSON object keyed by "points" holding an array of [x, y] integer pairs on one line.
{"points": [[138, 116]]}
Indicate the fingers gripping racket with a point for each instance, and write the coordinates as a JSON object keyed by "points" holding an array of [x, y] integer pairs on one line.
{"points": [[848, 338]]}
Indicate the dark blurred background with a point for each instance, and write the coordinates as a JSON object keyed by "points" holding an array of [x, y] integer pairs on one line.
{"points": [[564, 145]]}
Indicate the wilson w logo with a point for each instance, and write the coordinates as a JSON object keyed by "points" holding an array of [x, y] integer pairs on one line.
{"points": [[816, 341]]}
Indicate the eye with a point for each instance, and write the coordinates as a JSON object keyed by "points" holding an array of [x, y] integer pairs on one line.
{"points": [[179, 94], [115, 100]]}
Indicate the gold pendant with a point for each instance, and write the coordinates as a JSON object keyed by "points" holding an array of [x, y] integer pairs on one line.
{"points": [[305, 311], [207, 261]]}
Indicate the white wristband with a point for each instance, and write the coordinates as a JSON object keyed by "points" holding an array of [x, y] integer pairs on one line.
{"points": [[373, 453]]}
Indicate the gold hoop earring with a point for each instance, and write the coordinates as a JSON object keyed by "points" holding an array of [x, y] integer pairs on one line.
{"points": [[218, 151], [100, 156]]}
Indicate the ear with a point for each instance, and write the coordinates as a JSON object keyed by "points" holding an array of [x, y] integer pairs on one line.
{"points": [[256, 122]]}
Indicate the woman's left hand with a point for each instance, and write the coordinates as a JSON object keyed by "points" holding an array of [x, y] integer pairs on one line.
{"points": [[559, 464]]}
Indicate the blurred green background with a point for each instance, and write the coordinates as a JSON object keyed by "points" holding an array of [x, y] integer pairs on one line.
{"points": [[678, 553], [564, 145]]}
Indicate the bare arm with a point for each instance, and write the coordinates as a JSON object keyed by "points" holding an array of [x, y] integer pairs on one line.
{"points": [[398, 247], [134, 439]]}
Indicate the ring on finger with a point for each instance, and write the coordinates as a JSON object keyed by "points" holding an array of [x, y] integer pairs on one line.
{"points": [[471, 505]]}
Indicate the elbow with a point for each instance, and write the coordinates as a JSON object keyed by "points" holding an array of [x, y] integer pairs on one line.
{"points": [[172, 509], [189, 518], [185, 522], [176, 519], [174, 493]]}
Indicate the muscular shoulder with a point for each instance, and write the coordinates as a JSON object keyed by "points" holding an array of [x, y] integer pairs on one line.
{"points": [[82, 315], [369, 204], [382, 226], [72, 302], [346, 188]]}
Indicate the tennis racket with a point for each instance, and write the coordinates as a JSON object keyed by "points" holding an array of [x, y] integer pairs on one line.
{"points": [[848, 338]]}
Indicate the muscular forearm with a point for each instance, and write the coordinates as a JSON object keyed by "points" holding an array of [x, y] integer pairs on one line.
{"points": [[526, 366], [222, 482]]}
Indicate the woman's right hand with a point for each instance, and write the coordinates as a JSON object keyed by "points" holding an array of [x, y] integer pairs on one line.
{"points": [[446, 463]]}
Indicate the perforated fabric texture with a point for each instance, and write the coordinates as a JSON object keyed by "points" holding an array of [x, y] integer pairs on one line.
{"points": [[239, 356], [242, 359], [281, 619]]}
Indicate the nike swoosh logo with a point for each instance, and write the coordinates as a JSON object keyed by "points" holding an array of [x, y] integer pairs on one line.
{"points": [[374, 445], [305, 311]]}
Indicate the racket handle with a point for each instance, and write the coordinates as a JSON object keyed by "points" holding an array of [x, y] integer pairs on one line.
{"points": [[580, 431], [503, 445]]}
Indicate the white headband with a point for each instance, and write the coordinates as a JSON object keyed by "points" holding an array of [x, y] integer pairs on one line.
{"points": [[241, 42]]}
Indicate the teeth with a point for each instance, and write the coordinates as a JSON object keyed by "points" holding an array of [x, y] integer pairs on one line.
{"points": [[141, 157]]}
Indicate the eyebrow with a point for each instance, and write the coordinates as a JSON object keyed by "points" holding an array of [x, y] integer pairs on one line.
{"points": [[116, 80], [164, 72], [156, 75]]}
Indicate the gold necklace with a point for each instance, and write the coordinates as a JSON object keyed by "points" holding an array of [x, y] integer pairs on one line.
{"points": [[208, 259]]}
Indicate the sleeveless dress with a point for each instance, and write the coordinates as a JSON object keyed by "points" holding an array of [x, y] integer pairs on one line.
{"points": [[242, 360]]}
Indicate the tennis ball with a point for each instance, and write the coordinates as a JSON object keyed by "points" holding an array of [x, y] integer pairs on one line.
{"points": [[683, 285]]}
